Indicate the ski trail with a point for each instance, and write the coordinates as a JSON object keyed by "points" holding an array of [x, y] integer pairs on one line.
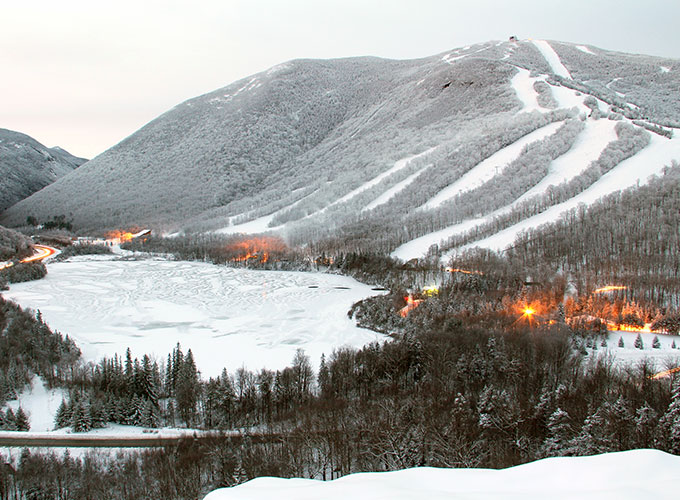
{"points": [[552, 58], [523, 84], [637, 169], [486, 169], [393, 191], [587, 148], [261, 224], [398, 165]]}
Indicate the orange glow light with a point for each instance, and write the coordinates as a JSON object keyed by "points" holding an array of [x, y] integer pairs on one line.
{"points": [[464, 271], [610, 288], [256, 249], [665, 373], [528, 311], [411, 304]]}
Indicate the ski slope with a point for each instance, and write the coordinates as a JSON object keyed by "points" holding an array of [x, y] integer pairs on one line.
{"points": [[398, 165], [629, 475], [635, 170], [228, 317], [523, 84], [552, 58], [394, 190], [587, 148], [485, 170]]}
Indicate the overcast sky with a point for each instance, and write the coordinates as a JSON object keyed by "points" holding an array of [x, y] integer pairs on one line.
{"points": [[85, 74]]}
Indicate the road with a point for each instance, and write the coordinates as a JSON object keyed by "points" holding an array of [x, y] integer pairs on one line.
{"points": [[15, 439], [41, 252]]}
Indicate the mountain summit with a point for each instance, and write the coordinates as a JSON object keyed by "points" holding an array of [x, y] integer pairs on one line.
{"points": [[391, 155]]}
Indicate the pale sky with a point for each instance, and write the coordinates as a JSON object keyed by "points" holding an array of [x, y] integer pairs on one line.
{"points": [[85, 74]]}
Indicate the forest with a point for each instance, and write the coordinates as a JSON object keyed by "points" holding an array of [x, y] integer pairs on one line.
{"points": [[466, 381]]}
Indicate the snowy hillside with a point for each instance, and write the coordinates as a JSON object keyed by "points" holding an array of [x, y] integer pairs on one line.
{"points": [[27, 166], [392, 156], [614, 476]]}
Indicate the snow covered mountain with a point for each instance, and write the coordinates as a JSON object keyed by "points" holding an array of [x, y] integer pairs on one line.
{"points": [[391, 156], [27, 166]]}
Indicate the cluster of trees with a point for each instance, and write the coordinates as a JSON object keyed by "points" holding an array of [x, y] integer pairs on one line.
{"points": [[14, 245], [627, 238], [27, 347], [22, 271]]}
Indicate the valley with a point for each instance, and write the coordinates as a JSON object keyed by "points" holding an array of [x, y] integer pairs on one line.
{"points": [[465, 260]]}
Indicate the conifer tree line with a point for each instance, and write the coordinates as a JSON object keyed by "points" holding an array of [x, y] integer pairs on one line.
{"points": [[28, 347]]}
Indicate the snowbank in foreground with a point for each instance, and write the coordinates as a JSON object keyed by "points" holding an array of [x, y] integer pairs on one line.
{"points": [[617, 476]]}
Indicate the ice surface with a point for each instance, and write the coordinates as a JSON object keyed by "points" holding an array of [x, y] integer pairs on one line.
{"points": [[228, 317], [626, 475]]}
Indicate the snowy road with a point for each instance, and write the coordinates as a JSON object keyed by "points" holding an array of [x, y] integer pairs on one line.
{"points": [[228, 317]]}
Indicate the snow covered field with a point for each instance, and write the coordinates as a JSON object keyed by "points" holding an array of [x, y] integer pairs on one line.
{"points": [[228, 317], [638, 474], [663, 358]]}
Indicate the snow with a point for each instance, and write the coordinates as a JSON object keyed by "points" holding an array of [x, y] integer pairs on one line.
{"points": [[523, 84], [637, 169], [228, 317], [398, 165], [486, 169], [567, 98], [585, 49], [663, 358], [613, 476], [394, 190], [552, 58], [259, 225], [587, 148], [40, 404], [664, 69]]}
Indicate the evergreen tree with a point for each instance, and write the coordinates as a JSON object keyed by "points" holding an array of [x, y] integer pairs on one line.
{"points": [[638, 342], [655, 343], [22, 423], [620, 341], [80, 416], [187, 389], [63, 417], [560, 433], [669, 425]]}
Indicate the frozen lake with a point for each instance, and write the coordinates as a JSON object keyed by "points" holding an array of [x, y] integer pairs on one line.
{"points": [[228, 317]]}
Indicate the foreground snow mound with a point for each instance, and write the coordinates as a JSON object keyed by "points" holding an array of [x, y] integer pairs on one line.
{"points": [[616, 476]]}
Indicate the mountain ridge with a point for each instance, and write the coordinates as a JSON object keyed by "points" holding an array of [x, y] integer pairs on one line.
{"points": [[26, 166], [307, 145]]}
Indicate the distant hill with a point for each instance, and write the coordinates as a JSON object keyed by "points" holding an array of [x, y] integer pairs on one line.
{"points": [[26, 166], [403, 157]]}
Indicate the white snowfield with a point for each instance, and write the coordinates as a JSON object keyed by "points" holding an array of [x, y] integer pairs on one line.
{"points": [[228, 317], [487, 169], [630, 475]]}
